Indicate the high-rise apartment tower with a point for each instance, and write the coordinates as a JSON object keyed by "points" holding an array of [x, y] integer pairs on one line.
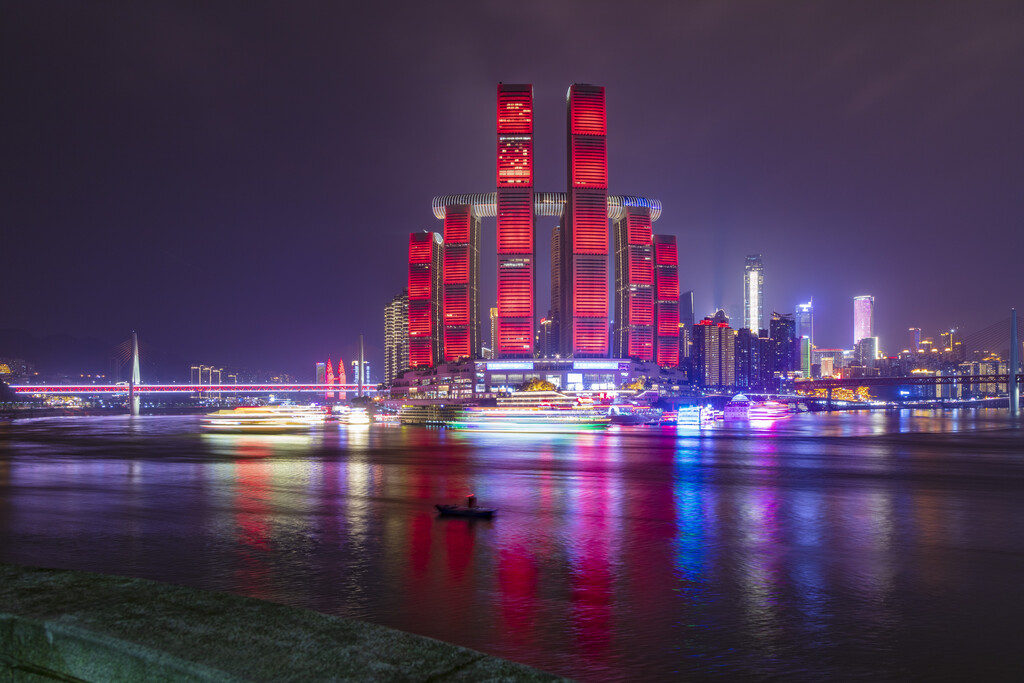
{"points": [[666, 301], [461, 283], [396, 337], [584, 235], [633, 335], [424, 289], [516, 272]]}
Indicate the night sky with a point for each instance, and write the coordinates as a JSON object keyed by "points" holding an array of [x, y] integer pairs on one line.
{"points": [[237, 181]]}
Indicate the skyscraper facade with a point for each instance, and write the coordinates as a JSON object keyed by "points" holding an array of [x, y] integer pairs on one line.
{"points": [[753, 293], [714, 352], [914, 339], [516, 274], [863, 318], [554, 314], [424, 290], [396, 337], [584, 248], [784, 356], [666, 301], [805, 321], [461, 283], [633, 335]]}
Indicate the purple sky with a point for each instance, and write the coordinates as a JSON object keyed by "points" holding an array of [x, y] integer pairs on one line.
{"points": [[237, 181]]}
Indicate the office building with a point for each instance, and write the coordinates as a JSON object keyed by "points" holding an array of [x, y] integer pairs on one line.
{"points": [[583, 308], [714, 352], [666, 301], [515, 236], [685, 324], [914, 339], [425, 299], [753, 293], [634, 286], [783, 357], [748, 359], [863, 318], [396, 337], [461, 284], [805, 321], [865, 352]]}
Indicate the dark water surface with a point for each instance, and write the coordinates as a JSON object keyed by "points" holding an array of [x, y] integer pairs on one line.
{"points": [[880, 546]]}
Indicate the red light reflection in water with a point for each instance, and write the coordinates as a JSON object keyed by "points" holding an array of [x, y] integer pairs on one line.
{"points": [[252, 493], [591, 495], [518, 563]]}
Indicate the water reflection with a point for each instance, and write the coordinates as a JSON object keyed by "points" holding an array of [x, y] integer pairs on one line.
{"points": [[634, 554]]}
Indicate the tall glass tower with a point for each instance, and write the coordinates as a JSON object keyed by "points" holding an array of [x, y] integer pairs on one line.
{"points": [[863, 318], [805, 321], [753, 293]]}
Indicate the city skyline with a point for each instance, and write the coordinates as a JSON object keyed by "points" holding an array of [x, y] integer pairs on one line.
{"points": [[166, 157]]}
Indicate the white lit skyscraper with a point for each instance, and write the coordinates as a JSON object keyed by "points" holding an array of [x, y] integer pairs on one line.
{"points": [[753, 293], [863, 318]]}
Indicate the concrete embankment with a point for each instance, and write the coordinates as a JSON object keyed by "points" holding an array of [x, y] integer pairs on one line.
{"points": [[75, 626]]}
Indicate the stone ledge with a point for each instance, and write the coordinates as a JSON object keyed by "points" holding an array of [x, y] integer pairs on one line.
{"points": [[75, 626]]}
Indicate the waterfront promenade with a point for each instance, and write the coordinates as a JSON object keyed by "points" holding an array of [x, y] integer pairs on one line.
{"points": [[66, 625]]}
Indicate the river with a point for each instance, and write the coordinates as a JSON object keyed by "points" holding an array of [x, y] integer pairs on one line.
{"points": [[875, 546]]}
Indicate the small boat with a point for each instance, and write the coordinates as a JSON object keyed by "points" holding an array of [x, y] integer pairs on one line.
{"points": [[470, 509]]}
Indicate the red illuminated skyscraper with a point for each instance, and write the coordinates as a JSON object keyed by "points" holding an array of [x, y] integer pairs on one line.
{"points": [[634, 286], [516, 276], [461, 283], [425, 329], [666, 301], [584, 249]]}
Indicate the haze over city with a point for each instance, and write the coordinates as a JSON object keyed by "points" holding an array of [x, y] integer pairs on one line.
{"points": [[239, 186]]}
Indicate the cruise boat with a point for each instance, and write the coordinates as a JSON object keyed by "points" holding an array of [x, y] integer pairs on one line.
{"points": [[626, 414], [276, 418], [769, 410], [357, 416], [539, 411], [738, 408], [742, 408]]}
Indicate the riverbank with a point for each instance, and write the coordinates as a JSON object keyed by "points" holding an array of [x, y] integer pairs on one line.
{"points": [[68, 625]]}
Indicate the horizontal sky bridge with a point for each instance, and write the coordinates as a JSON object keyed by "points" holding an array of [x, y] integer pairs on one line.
{"points": [[188, 388], [485, 204]]}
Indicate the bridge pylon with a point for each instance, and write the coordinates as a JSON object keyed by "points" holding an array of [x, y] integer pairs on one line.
{"points": [[134, 400], [1013, 388]]}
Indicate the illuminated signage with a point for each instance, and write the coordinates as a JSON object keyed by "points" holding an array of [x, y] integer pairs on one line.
{"points": [[595, 365], [511, 365]]}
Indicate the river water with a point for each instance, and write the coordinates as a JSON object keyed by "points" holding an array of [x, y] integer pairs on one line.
{"points": [[878, 546]]}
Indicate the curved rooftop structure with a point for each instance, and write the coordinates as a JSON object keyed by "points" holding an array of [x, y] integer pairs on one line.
{"points": [[544, 204]]}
